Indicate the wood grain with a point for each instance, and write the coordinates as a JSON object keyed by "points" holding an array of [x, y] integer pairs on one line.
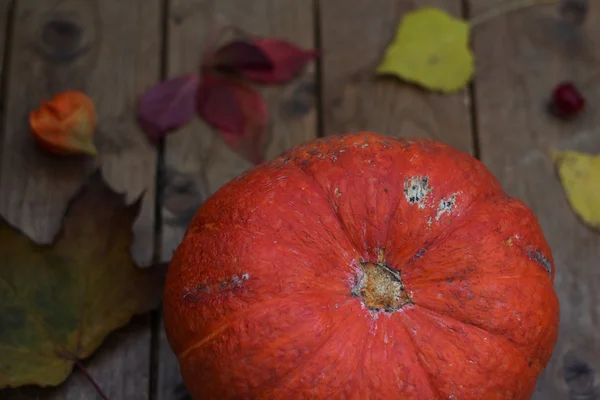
{"points": [[5, 8], [520, 58], [121, 367], [111, 51], [169, 384], [197, 161], [354, 35]]}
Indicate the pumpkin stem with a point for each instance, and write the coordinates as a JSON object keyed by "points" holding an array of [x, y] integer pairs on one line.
{"points": [[381, 288]]}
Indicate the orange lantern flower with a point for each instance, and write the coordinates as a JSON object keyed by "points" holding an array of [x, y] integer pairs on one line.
{"points": [[65, 124]]}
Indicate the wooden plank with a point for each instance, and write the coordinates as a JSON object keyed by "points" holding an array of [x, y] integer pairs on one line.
{"points": [[121, 367], [520, 57], [354, 35], [169, 384], [110, 50], [5, 8], [197, 161]]}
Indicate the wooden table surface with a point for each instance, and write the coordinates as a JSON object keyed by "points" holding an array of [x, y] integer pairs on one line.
{"points": [[122, 47]]}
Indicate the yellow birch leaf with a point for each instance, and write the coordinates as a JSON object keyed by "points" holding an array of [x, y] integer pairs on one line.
{"points": [[431, 49], [579, 174]]}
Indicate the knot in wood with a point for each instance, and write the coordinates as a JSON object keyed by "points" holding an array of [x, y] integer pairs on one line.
{"points": [[62, 40], [300, 101], [580, 377]]}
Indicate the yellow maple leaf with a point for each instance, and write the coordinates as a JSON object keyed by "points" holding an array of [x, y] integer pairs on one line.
{"points": [[579, 174], [431, 49]]}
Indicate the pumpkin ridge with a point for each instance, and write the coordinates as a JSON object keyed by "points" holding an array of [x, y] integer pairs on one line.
{"points": [[426, 315], [441, 236], [419, 282], [465, 218], [402, 143], [427, 310], [465, 215], [419, 360], [275, 385], [196, 230], [362, 355], [319, 287], [223, 324], [241, 315], [328, 201], [389, 224], [498, 200]]}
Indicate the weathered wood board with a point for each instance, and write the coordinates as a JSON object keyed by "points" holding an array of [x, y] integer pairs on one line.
{"points": [[354, 35], [5, 11], [111, 51], [197, 160], [520, 58], [169, 385]]}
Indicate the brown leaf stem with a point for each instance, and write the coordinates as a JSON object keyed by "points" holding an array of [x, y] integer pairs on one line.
{"points": [[90, 379]]}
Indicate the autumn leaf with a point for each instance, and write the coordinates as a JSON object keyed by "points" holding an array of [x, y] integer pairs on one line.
{"points": [[579, 174], [65, 124], [222, 97], [238, 56], [237, 111], [431, 49], [264, 60], [168, 105], [58, 303]]}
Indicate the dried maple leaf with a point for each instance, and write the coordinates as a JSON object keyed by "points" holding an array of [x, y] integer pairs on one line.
{"points": [[65, 124], [168, 105], [58, 303], [264, 60], [237, 111]]}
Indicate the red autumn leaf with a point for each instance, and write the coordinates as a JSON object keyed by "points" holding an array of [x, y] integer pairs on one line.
{"points": [[240, 55], [287, 59], [250, 145], [237, 111], [168, 105]]}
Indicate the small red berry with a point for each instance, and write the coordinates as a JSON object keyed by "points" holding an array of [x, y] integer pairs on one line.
{"points": [[566, 100]]}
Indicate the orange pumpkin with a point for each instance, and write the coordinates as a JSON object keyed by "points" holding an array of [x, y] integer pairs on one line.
{"points": [[363, 267], [65, 124]]}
